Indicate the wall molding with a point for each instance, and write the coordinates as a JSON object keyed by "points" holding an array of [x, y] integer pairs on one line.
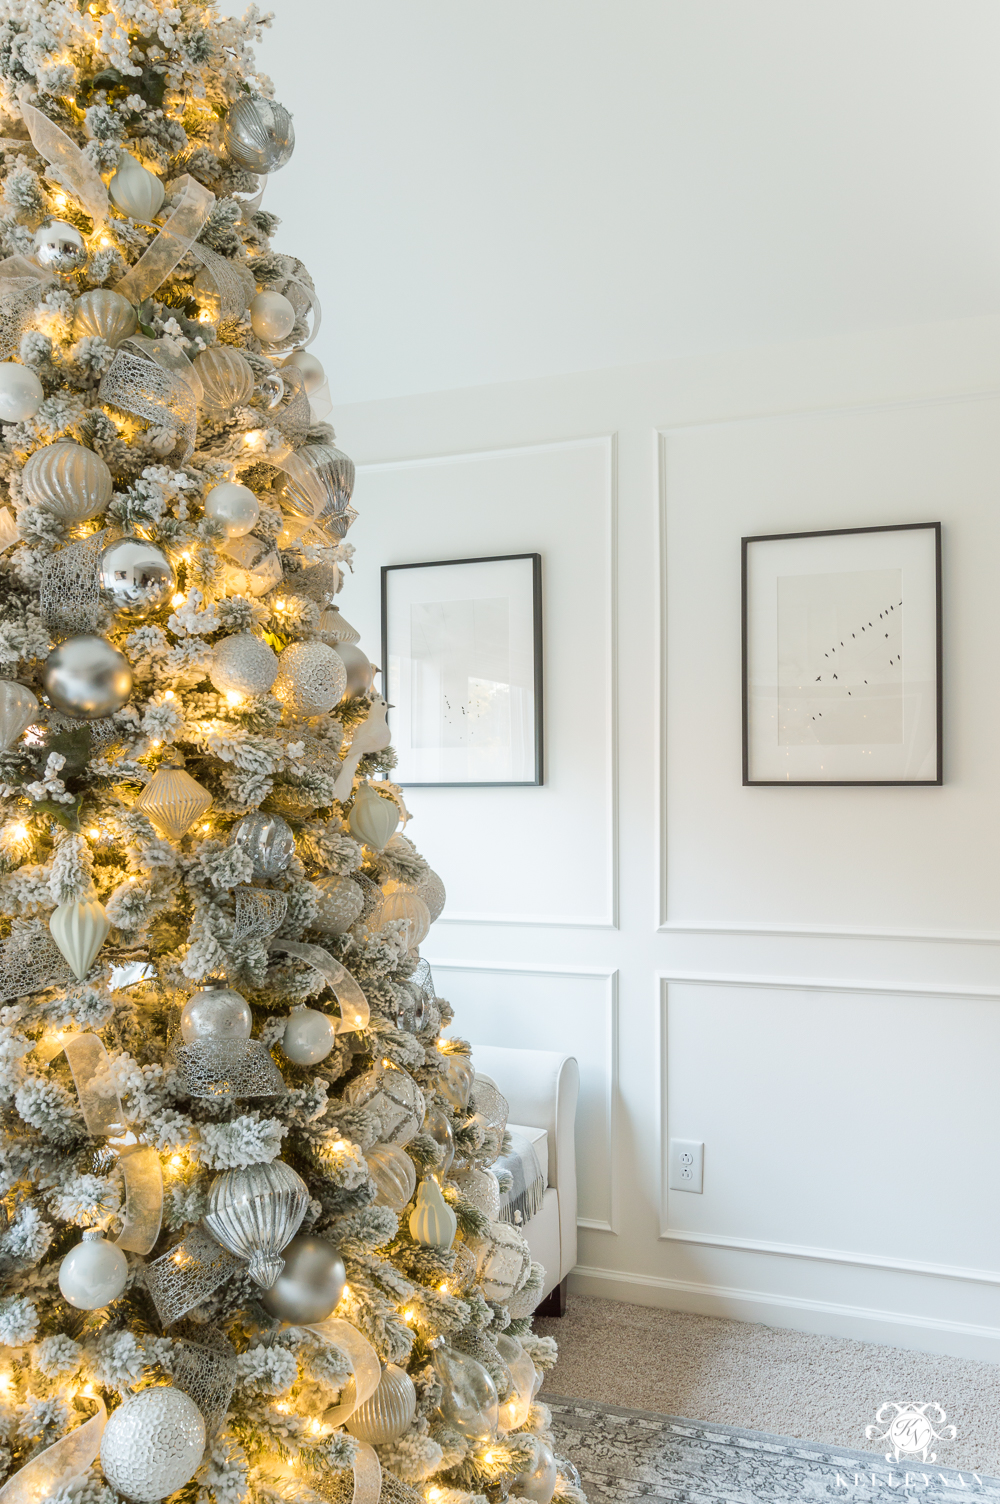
{"points": [[832, 1256], [786, 983], [610, 978], [824, 932]]}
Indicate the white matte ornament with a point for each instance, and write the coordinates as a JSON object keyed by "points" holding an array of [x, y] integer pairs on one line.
{"points": [[18, 708], [243, 665], [68, 480], [432, 1221], [21, 393], [372, 818], [135, 190], [271, 316], [236, 507], [309, 1036], [537, 1481], [215, 1012], [59, 247], [93, 1274], [403, 903], [79, 929], [311, 678], [153, 1444]]}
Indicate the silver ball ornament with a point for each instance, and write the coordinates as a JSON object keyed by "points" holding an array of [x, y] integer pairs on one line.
{"points": [[21, 393], [309, 1036], [357, 667], [311, 678], [236, 507], [137, 575], [243, 665], [59, 247], [267, 840], [153, 1444], [86, 678], [93, 1274], [215, 1012], [271, 316], [310, 369], [309, 1286], [259, 134]]}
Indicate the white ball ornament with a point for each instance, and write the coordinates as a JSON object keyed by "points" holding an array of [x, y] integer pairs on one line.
{"points": [[243, 665], [93, 1274], [309, 1036], [271, 316], [21, 393], [311, 678], [236, 507], [153, 1444], [134, 190]]}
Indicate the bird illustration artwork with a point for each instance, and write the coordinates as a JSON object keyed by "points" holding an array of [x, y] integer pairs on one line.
{"points": [[371, 736]]}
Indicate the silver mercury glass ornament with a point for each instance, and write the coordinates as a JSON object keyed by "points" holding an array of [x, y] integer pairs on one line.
{"points": [[59, 247], [137, 575], [215, 1012], [267, 840], [86, 678], [255, 1213], [259, 134]]}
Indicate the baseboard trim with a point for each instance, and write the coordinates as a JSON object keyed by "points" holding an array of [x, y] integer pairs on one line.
{"points": [[827, 1318]]}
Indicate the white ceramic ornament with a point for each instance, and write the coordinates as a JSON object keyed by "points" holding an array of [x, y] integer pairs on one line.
{"points": [[59, 247], [243, 665], [79, 928], [271, 316], [309, 1036], [93, 1274], [18, 708], [371, 736], [311, 678], [372, 818], [68, 480], [432, 1221], [153, 1444], [215, 1012], [135, 190], [387, 1413], [21, 393], [236, 507]]}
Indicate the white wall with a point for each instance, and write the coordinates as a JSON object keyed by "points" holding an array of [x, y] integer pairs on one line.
{"points": [[805, 979]]}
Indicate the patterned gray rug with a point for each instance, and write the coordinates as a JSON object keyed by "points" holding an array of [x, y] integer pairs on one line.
{"points": [[634, 1454]]}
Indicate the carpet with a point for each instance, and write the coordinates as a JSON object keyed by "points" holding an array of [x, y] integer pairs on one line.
{"points": [[625, 1455]]}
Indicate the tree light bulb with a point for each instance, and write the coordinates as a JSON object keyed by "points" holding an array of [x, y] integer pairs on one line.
{"points": [[206, 828], [169, 694], [204, 317], [93, 833], [233, 697], [18, 831], [178, 599], [175, 1161]]}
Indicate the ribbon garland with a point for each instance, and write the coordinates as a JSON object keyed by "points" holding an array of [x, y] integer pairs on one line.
{"points": [[64, 1459], [76, 172], [158, 384], [175, 239], [343, 986]]}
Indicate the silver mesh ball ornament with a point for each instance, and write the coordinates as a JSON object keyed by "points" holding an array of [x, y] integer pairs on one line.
{"points": [[259, 134], [311, 678], [255, 1213], [152, 1444]]}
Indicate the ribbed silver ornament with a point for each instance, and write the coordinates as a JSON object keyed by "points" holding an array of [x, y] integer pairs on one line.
{"points": [[255, 1212], [388, 1412]]}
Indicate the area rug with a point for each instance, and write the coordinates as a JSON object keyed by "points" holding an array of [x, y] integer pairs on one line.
{"points": [[634, 1454]]}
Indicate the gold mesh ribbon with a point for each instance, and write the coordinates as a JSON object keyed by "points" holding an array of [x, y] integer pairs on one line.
{"points": [[354, 1010], [182, 228], [72, 1455], [70, 167]]}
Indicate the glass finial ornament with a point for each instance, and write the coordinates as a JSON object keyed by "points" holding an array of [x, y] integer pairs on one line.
{"points": [[235, 507], [93, 1273], [310, 1285], [59, 247], [387, 1413], [432, 1221], [173, 801], [339, 905], [255, 1213], [18, 708], [267, 840], [68, 480], [259, 134], [514, 1410], [243, 665], [86, 678], [136, 575], [272, 316], [309, 1036], [79, 928], [103, 314], [215, 1012], [21, 393], [135, 190], [153, 1444], [468, 1394], [227, 380], [372, 818], [311, 678]]}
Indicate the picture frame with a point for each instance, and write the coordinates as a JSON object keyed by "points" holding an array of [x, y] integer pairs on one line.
{"points": [[462, 654], [873, 715]]}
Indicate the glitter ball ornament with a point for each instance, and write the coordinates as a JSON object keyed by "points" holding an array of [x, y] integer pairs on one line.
{"points": [[243, 665], [267, 840], [481, 1188], [311, 678], [271, 316], [173, 801], [153, 1444], [432, 1221], [103, 314], [309, 1036], [59, 247], [86, 678], [372, 818], [388, 1412], [93, 1274], [226, 377], [236, 507], [537, 1481], [359, 670], [21, 393], [215, 1012], [255, 1213], [259, 134], [71, 482], [18, 708], [79, 928], [393, 1172], [340, 905], [135, 190], [136, 575], [468, 1394], [310, 1285]]}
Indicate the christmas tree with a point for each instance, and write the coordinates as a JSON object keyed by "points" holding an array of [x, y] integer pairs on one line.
{"points": [[249, 1235]]}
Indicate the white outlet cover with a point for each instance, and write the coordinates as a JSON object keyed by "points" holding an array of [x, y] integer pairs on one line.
{"points": [[687, 1165]]}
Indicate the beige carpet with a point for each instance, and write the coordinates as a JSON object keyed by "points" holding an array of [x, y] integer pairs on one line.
{"points": [[765, 1379]]}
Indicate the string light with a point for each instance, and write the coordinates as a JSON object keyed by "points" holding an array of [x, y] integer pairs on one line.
{"points": [[169, 695], [233, 697], [206, 827], [176, 1160], [178, 599], [93, 833], [18, 831]]}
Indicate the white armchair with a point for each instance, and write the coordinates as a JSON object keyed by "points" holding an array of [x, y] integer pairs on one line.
{"points": [[541, 1088]]}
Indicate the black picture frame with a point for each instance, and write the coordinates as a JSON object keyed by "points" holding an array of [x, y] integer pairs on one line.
{"points": [[746, 544], [537, 655]]}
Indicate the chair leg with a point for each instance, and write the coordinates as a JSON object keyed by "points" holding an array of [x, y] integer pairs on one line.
{"points": [[554, 1303]]}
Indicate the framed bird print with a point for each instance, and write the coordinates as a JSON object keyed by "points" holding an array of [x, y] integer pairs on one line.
{"points": [[842, 656], [462, 652]]}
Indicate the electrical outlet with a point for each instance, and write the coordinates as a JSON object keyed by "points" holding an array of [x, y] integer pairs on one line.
{"points": [[687, 1165]]}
